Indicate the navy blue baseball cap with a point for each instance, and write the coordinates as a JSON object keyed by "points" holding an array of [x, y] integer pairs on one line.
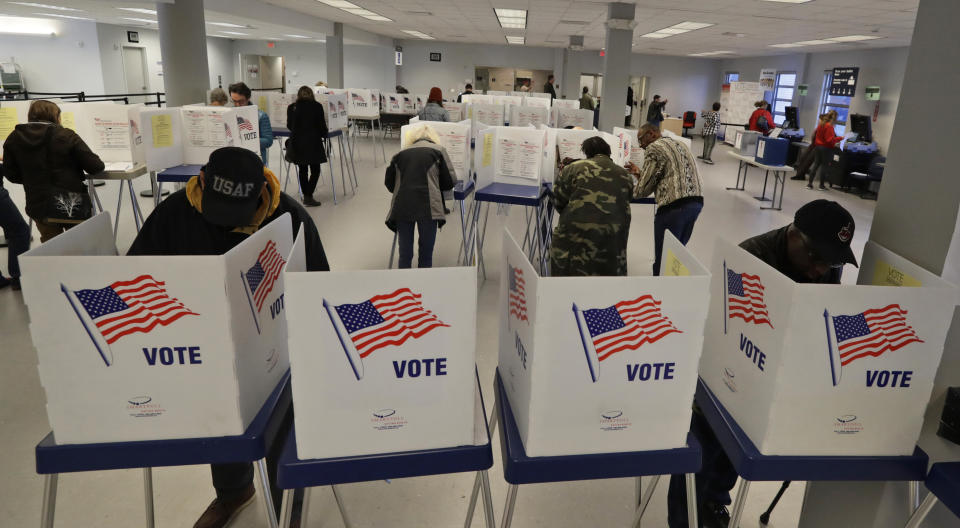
{"points": [[232, 181]]}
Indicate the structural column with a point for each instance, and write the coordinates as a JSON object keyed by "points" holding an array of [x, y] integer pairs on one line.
{"points": [[335, 57], [916, 217], [183, 50], [570, 82], [616, 65]]}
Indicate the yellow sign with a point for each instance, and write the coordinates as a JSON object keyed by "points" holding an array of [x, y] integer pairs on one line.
{"points": [[162, 128], [68, 120], [885, 274], [673, 266], [487, 158], [262, 103], [8, 121]]}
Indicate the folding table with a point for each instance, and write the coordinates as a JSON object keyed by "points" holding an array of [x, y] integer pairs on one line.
{"points": [[124, 177]]}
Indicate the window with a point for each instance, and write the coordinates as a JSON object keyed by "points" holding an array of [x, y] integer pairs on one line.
{"points": [[730, 77], [834, 102], [783, 95]]}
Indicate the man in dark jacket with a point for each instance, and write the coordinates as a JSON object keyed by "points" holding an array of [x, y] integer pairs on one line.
{"points": [[210, 217], [813, 249], [655, 111], [417, 176], [467, 90], [548, 88], [48, 159]]}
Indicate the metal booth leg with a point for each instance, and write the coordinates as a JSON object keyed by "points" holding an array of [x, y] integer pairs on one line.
{"points": [[305, 507], [913, 489], [918, 516], [286, 505], [472, 505], [645, 501], [265, 490], [343, 509], [738, 504], [49, 500], [137, 214], [491, 521], [116, 219], [148, 494], [692, 499], [507, 518]]}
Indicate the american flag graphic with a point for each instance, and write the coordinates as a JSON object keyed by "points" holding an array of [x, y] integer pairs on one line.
{"points": [[262, 276], [244, 124], [124, 308], [517, 304], [745, 298], [387, 320], [872, 333], [627, 325]]}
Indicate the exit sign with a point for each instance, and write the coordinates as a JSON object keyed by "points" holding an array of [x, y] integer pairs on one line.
{"points": [[434, 57]]}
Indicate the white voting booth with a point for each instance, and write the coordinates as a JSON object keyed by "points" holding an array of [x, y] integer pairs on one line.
{"points": [[364, 104], [454, 138], [629, 147], [569, 104], [601, 364], [821, 369], [562, 117], [158, 347], [477, 99], [455, 111], [335, 110], [382, 361], [483, 115], [537, 101], [509, 155], [187, 135], [277, 104], [529, 115]]}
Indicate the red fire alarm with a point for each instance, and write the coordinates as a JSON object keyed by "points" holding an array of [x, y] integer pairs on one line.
{"points": [[270, 44], [603, 53]]}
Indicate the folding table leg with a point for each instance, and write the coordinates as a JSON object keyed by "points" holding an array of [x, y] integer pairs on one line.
{"points": [[739, 504], [645, 501], [305, 506], [148, 492], [343, 509], [137, 216], [918, 516], [116, 219], [507, 518], [472, 505], [267, 495], [692, 500], [913, 488], [638, 488], [50, 500], [286, 505], [491, 521]]}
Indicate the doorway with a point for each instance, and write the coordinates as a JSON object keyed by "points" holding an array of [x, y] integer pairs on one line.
{"points": [[594, 82], [640, 86], [509, 79], [263, 72], [135, 71]]}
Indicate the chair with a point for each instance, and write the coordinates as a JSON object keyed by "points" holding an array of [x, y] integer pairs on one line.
{"points": [[689, 121], [874, 174]]}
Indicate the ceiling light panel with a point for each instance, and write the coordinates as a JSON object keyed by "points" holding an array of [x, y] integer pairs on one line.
{"points": [[297, 36], [26, 26], [515, 40], [711, 53], [511, 18], [418, 34], [356, 10], [339, 4], [226, 24], [140, 10], [144, 20], [853, 38], [789, 1], [656, 35], [690, 26], [234, 33], [44, 6], [71, 17]]}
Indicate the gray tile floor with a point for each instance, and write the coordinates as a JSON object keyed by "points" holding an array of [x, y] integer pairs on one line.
{"points": [[355, 237]]}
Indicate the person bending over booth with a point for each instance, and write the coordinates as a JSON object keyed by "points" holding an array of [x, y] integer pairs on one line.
{"points": [[592, 197], [203, 220], [761, 120], [417, 176], [670, 173], [812, 249], [240, 95]]}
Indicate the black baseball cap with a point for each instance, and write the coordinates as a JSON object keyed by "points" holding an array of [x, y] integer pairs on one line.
{"points": [[232, 181], [829, 228]]}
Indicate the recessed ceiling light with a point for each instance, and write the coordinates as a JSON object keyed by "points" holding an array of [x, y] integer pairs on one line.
{"points": [[340, 4], [45, 6], [853, 38], [140, 10], [379, 18], [63, 16], [656, 35], [813, 42], [26, 26], [789, 1], [515, 40], [296, 36], [418, 34], [672, 31], [354, 9], [144, 20], [788, 45], [359, 11], [234, 33], [690, 26], [511, 18], [226, 24], [710, 53]]}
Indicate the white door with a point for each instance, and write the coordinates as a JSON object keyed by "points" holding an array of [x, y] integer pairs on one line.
{"points": [[135, 71]]}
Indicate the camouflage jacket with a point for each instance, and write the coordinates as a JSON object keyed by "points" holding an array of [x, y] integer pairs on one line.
{"points": [[593, 199]]}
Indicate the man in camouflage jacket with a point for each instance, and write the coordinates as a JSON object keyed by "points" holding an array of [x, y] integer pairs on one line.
{"points": [[593, 199]]}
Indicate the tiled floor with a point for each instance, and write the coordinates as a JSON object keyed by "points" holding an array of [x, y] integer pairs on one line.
{"points": [[355, 237]]}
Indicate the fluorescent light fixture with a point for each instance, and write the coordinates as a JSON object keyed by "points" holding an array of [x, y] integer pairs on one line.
{"points": [[511, 18], [63, 16], [226, 24], [676, 29], [853, 38], [141, 10], [711, 53], [359, 11], [656, 35], [672, 31], [45, 6], [354, 9], [297, 36], [802, 44], [418, 34], [378, 18], [339, 4], [235, 33], [788, 45], [144, 20], [26, 26], [789, 1], [691, 26], [516, 40]]}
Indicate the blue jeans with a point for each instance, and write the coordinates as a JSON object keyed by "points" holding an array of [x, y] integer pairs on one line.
{"points": [[655, 122], [679, 220], [15, 229], [427, 231]]}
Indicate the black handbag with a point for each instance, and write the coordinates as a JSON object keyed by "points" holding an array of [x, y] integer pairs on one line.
{"points": [[289, 155], [63, 205]]}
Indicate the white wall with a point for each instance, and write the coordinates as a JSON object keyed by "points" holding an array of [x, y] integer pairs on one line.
{"points": [[882, 67], [369, 67], [306, 62], [220, 61], [69, 61], [112, 40]]}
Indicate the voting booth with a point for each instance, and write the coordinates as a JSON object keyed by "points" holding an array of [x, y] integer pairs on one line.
{"points": [[509, 155], [394, 103], [569, 104], [364, 104], [745, 141], [541, 102], [486, 115], [454, 110], [825, 369], [335, 110], [629, 146], [529, 115], [188, 135], [475, 98], [563, 117], [277, 104], [601, 364], [382, 361], [454, 138], [156, 347]]}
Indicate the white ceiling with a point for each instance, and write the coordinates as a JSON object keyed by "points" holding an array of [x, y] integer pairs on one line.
{"points": [[551, 22]]}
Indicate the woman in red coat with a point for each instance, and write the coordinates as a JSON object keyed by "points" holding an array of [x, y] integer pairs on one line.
{"points": [[824, 141], [761, 120]]}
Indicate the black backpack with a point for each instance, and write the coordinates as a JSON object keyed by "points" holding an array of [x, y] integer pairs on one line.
{"points": [[762, 124]]}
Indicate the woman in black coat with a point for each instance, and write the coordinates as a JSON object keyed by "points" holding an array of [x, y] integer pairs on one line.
{"points": [[308, 131]]}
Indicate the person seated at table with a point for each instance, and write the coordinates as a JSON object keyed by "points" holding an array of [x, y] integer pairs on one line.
{"points": [[204, 219], [592, 197], [433, 110], [218, 97], [52, 164], [812, 249], [670, 173], [417, 176], [240, 95], [308, 131]]}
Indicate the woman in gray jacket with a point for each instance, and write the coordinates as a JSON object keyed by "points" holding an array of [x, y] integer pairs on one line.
{"points": [[433, 110], [417, 176]]}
